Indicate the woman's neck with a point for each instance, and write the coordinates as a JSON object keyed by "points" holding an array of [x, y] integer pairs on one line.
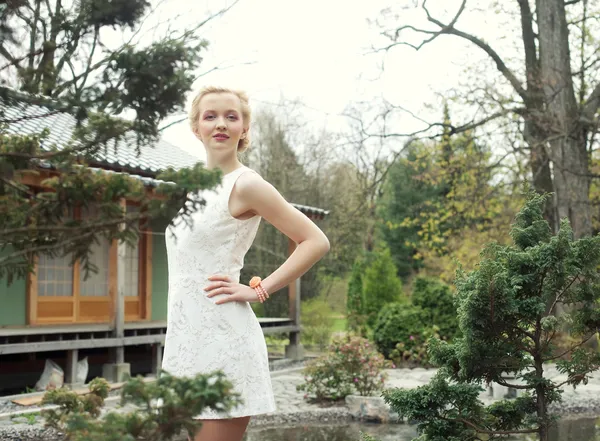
{"points": [[225, 167]]}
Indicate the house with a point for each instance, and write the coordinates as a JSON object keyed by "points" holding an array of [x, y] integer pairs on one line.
{"points": [[117, 317]]}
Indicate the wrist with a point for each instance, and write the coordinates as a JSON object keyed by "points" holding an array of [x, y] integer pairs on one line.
{"points": [[261, 293]]}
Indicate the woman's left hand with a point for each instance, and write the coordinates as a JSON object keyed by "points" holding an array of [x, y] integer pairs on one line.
{"points": [[236, 292]]}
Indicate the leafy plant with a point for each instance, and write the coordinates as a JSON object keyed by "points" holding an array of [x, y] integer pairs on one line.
{"points": [[507, 316], [163, 409], [437, 302], [413, 353], [398, 323], [352, 364]]}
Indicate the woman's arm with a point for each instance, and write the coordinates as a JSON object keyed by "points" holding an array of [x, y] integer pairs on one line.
{"points": [[258, 196], [252, 194]]}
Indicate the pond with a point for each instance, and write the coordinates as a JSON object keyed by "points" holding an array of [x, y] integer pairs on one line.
{"points": [[580, 429]]}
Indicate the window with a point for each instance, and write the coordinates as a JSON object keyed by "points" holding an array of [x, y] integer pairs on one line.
{"points": [[58, 291], [54, 276]]}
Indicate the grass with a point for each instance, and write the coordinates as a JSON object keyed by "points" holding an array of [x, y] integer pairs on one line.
{"points": [[339, 324]]}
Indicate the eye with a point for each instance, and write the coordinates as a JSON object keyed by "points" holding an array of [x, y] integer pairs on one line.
{"points": [[232, 117], [208, 116]]}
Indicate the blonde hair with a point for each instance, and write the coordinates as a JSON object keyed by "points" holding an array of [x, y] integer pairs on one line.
{"points": [[194, 114]]}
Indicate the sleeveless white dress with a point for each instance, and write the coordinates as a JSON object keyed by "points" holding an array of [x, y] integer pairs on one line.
{"points": [[203, 337]]}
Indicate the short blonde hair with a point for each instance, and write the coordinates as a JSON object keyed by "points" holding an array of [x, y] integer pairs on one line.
{"points": [[194, 114]]}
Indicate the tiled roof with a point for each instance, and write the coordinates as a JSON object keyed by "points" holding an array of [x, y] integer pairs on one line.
{"points": [[25, 119], [312, 212]]}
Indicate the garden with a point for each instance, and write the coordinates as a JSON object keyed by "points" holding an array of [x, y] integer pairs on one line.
{"points": [[460, 298]]}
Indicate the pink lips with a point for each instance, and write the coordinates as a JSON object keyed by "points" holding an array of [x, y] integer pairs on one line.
{"points": [[221, 137]]}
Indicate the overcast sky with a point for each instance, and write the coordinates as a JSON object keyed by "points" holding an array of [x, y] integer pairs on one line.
{"points": [[318, 51]]}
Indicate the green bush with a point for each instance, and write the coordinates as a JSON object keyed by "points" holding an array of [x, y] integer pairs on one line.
{"points": [[437, 302], [161, 410], [398, 323], [414, 353], [317, 321], [352, 364], [381, 285]]}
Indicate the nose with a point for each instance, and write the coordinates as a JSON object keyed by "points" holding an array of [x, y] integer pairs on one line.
{"points": [[221, 123]]}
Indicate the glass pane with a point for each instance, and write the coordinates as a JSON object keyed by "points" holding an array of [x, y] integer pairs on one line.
{"points": [[96, 282], [54, 274]]}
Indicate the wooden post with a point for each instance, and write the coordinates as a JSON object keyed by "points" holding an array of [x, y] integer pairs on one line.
{"points": [[156, 358], [119, 314], [294, 350], [71, 371], [117, 370], [293, 291]]}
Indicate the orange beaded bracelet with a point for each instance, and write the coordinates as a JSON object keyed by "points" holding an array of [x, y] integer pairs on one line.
{"points": [[261, 292]]}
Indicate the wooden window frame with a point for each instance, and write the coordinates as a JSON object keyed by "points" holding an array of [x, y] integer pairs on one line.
{"points": [[144, 308]]}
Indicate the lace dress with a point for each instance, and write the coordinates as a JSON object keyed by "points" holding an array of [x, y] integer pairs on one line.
{"points": [[203, 337]]}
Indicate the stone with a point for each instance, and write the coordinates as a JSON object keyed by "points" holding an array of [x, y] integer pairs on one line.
{"points": [[294, 352], [116, 372], [370, 409]]}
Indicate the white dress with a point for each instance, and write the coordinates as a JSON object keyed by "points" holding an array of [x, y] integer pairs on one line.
{"points": [[203, 337]]}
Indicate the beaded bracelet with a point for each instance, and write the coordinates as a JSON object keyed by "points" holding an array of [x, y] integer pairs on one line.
{"points": [[261, 292]]}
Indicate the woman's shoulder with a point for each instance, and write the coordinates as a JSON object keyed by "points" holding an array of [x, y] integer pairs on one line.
{"points": [[250, 181]]}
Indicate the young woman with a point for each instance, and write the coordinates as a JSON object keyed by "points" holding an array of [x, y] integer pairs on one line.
{"points": [[211, 325]]}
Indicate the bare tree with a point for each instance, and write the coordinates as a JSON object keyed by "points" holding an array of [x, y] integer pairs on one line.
{"points": [[554, 96]]}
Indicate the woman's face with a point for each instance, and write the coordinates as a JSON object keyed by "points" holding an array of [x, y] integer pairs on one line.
{"points": [[221, 125]]}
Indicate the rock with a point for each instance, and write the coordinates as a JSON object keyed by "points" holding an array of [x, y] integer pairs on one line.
{"points": [[370, 409]]}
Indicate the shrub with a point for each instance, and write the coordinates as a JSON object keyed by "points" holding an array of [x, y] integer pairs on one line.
{"points": [[437, 301], [397, 323], [414, 353], [381, 285], [317, 322], [352, 364], [79, 417], [355, 301]]}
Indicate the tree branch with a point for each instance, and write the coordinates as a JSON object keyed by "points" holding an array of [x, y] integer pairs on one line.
{"points": [[513, 386], [501, 66], [571, 349], [531, 58], [485, 431], [591, 106], [559, 295]]}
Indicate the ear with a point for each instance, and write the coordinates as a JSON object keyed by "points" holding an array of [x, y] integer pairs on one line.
{"points": [[197, 134]]}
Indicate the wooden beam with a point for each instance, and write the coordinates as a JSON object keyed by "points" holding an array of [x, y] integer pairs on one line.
{"points": [[35, 179], [112, 280], [65, 345], [147, 264], [32, 294], [118, 324], [293, 291]]}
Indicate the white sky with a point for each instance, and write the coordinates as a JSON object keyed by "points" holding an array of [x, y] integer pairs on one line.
{"points": [[318, 51]]}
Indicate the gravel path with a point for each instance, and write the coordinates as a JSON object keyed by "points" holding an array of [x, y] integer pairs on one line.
{"points": [[292, 408]]}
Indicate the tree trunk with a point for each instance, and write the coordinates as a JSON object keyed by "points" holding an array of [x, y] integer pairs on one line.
{"points": [[564, 135], [533, 133]]}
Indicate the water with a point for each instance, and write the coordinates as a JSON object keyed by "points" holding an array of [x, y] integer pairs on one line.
{"points": [[580, 429]]}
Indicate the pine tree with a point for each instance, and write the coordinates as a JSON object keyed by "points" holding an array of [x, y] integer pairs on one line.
{"points": [[381, 285], [355, 302], [56, 56], [506, 316]]}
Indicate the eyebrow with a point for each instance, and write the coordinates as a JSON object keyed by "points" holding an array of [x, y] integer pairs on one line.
{"points": [[229, 110]]}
